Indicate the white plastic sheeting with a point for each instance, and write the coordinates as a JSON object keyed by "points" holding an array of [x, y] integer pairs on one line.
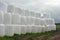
{"points": [[17, 29], [35, 29], [52, 27], [2, 30], [49, 21], [29, 28], [7, 18], [15, 20], [30, 20], [10, 9], [32, 14], [44, 15], [23, 29], [23, 20], [18, 10], [9, 30], [3, 6], [1, 17]]}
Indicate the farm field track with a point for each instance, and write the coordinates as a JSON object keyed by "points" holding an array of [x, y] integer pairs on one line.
{"points": [[52, 35]]}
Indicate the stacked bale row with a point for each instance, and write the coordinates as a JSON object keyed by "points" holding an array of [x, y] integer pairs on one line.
{"points": [[14, 20]]}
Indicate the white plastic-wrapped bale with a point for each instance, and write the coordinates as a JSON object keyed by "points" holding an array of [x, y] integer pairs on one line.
{"points": [[43, 28], [44, 15], [30, 20], [22, 12], [23, 20], [42, 22], [49, 21], [32, 14], [33, 21], [9, 30], [15, 19], [37, 15], [3, 6], [18, 10], [10, 9], [40, 28], [1, 17], [26, 13], [2, 30], [23, 29], [29, 28], [7, 18], [37, 21], [17, 29], [35, 28], [52, 27], [20, 20], [48, 28]]}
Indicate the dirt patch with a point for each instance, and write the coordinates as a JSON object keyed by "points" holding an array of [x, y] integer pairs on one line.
{"points": [[43, 37], [56, 37]]}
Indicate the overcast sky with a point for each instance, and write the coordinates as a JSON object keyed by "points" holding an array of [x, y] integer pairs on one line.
{"points": [[52, 6]]}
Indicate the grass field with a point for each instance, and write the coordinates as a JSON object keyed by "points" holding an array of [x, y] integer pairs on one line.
{"points": [[31, 35], [58, 26]]}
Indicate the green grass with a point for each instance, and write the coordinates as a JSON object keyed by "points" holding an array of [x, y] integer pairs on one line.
{"points": [[32, 35], [58, 26]]}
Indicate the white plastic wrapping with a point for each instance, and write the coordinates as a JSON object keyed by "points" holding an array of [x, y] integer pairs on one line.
{"points": [[2, 30], [17, 10], [37, 21], [15, 19], [49, 21], [42, 22], [29, 28], [7, 18], [32, 14], [40, 28], [26, 13], [33, 21], [22, 12], [43, 28], [17, 29], [23, 29], [38, 15], [10, 9], [35, 28], [52, 27], [9, 30], [20, 20], [44, 15], [3, 6], [48, 28], [1, 17], [23, 20], [30, 20]]}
